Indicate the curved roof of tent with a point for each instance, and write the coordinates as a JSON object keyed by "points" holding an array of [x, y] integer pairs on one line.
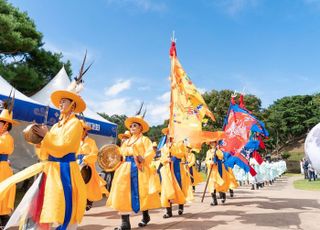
{"points": [[62, 81]]}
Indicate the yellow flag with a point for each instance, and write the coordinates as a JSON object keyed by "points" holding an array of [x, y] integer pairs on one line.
{"points": [[187, 107]]}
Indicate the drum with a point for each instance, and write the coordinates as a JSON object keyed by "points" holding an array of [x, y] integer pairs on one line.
{"points": [[30, 136], [109, 157]]}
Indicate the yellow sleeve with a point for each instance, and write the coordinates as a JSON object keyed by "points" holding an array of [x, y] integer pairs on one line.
{"points": [[148, 150], [178, 150], [91, 156], [6, 144], [60, 141], [208, 158], [191, 159], [164, 154]]}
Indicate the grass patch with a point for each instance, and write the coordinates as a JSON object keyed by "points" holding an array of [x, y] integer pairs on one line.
{"points": [[307, 185], [296, 156], [292, 174]]}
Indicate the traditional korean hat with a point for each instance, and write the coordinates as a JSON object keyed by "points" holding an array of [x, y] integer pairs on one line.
{"points": [[165, 131], [126, 134], [138, 118], [7, 114]]}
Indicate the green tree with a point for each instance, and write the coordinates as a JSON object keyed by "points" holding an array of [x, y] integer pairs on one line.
{"points": [[23, 61], [290, 118], [219, 102], [117, 119]]}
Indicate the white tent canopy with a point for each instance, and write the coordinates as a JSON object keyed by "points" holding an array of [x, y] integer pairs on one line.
{"points": [[25, 110], [62, 81]]}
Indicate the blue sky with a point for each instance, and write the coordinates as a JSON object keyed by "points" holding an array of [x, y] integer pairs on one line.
{"points": [[269, 47]]}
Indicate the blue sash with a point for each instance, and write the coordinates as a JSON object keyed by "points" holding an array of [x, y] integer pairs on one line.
{"points": [[80, 158], [191, 173], [176, 169], [135, 201], [3, 157], [67, 186], [219, 162]]}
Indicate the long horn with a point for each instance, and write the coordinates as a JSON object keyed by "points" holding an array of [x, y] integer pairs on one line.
{"points": [[12, 101], [79, 78], [145, 111], [139, 111], [84, 72], [6, 102]]}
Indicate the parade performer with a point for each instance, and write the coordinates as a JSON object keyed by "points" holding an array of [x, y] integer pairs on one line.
{"points": [[195, 176], [87, 157], [130, 189], [58, 197], [175, 183], [6, 149], [218, 179]]}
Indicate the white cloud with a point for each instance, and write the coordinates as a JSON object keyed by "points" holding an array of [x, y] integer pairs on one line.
{"points": [[144, 5], [73, 53], [118, 87], [144, 88], [202, 90], [234, 7], [158, 113], [164, 97], [127, 106], [313, 3]]}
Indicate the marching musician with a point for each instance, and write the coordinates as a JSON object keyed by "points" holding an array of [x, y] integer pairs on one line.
{"points": [[60, 196], [87, 156], [217, 173], [130, 189], [6, 149], [175, 183], [195, 176]]}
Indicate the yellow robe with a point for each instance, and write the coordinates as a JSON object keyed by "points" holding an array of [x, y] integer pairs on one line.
{"points": [[155, 185], [120, 194], [170, 188], [191, 160], [6, 147], [61, 140], [96, 186], [221, 184]]}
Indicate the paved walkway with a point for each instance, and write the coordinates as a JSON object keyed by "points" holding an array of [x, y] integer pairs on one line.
{"points": [[279, 206]]}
